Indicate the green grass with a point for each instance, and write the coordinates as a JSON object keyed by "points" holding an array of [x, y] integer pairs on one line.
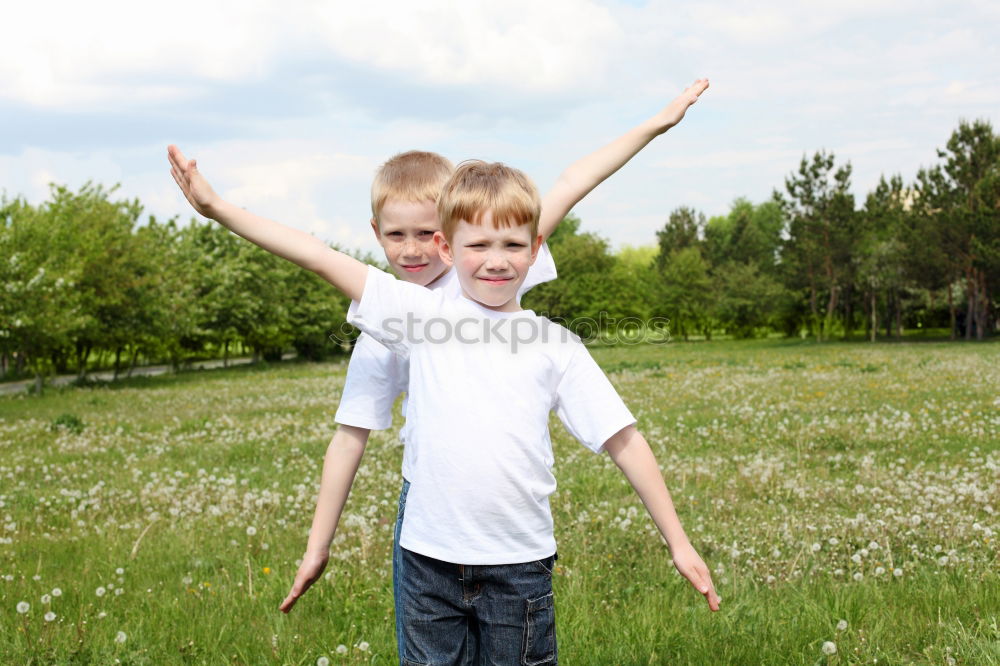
{"points": [[768, 447]]}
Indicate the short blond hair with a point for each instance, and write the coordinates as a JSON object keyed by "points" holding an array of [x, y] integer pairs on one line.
{"points": [[477, 187], [414, 176]]}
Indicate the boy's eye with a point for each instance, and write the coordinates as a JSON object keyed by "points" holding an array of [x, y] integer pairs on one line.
{"points": [[476, 245], [516, 245], [426, 233], [395, 234]]}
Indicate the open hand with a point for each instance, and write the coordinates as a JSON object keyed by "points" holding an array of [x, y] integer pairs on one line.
{"points": [[692, 567], [674, 112], [194, 186], [309, 572]]}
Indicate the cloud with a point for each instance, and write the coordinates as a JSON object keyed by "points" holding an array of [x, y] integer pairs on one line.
{"points": [[98, 54]]}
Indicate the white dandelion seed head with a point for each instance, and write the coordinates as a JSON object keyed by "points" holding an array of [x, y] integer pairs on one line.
{"points": [[120, 571], [323, 661], [46, 598], [842, 625], [833, 541], [873, 545], [119, 591], [838, 572], [251, 530], [100, 591], [56, 592], [816, 547], [363, 646], [101, 615], [897, 572], [858, 576], [120, 637], [829, 647], [50, 616], [341, 649], [23, 607], [879, 571], [770, 579], [863, 552], [943, 560]]}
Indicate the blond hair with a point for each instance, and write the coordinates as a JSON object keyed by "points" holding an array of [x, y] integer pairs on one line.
{"points": [[413, 176], [477, 186]]}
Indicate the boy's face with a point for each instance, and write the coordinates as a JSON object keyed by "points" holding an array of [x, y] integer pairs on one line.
{"points": [[406, 234], [491, 263]]}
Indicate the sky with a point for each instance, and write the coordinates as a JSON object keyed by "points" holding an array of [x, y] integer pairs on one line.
{"points": [[290, 107]]}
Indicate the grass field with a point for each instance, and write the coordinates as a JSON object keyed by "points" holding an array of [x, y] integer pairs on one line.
{"points": [[842, 493]]}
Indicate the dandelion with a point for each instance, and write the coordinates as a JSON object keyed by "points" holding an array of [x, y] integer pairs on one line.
{"points": [[50, 616], [341, 649], [897, 572], [267, 570], [816, 547], [838, 572], [101, 615], [46, 599], [56, 592], [120, 637], [943, 560], [363, 646], [251, 530], [858, 576], [833, 541], [119, 591], [879, 571], [856, 558], [100, 591], [322, 661], [23, 607], [770, 579], [120, 571], [873, 545], [829, 647], [842, 625]]}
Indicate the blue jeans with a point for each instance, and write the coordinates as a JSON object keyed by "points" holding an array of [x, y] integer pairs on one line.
{"points": [[397, 555], [476, 614]]}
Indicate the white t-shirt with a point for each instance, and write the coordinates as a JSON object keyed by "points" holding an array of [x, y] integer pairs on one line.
{"points": [[481, 386], [376, 376]]}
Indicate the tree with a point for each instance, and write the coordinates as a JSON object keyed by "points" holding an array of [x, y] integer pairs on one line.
{"points": [[821, 230]]}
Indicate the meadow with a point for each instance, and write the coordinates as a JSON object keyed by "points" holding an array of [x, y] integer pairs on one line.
{"points": [[844, 495]]}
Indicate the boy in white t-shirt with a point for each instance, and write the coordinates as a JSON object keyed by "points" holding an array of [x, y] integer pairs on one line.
{"points": [[480, 394]]}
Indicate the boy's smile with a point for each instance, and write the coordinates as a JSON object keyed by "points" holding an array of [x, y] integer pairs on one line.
{"points": [[491, 263], [405, 231]]}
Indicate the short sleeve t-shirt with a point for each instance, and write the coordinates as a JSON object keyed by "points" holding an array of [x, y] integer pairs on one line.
{"points": [[481, 386], [376, 376]]}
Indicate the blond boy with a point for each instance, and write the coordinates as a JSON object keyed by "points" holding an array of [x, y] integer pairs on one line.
{"points": [[405, 222]]}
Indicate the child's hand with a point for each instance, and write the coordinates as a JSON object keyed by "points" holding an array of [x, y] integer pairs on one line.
{"points": [[194, 186], [674, 111], [309, 572], [692, 567]]}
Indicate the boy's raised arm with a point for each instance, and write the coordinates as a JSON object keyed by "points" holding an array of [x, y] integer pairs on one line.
{"points": [[587, 173], [341, 270]]}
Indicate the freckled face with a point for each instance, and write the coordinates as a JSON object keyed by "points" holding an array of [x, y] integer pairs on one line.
{"points": [[491, 263], [406, 232]]}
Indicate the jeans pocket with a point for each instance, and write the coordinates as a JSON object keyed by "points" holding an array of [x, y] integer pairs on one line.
{"points": [[539, 632], [547, 564]]}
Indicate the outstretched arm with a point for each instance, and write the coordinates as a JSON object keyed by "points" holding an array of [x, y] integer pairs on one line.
{"points": [[341, 270], [630, 451], [340, 466], [587, 173]]}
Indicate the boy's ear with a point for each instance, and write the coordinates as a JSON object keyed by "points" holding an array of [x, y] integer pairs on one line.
{"points": [[443, 248], [535, 247], [378, 234]]}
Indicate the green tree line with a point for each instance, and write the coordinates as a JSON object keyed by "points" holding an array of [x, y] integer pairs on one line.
{"points": [[88, 284], [810, 261]]}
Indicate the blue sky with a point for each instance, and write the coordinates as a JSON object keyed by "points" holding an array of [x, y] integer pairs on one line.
{"points": [[290, 107]]}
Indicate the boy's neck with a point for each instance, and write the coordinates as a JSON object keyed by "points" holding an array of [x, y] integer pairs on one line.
{"points": [[510, 306]]}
